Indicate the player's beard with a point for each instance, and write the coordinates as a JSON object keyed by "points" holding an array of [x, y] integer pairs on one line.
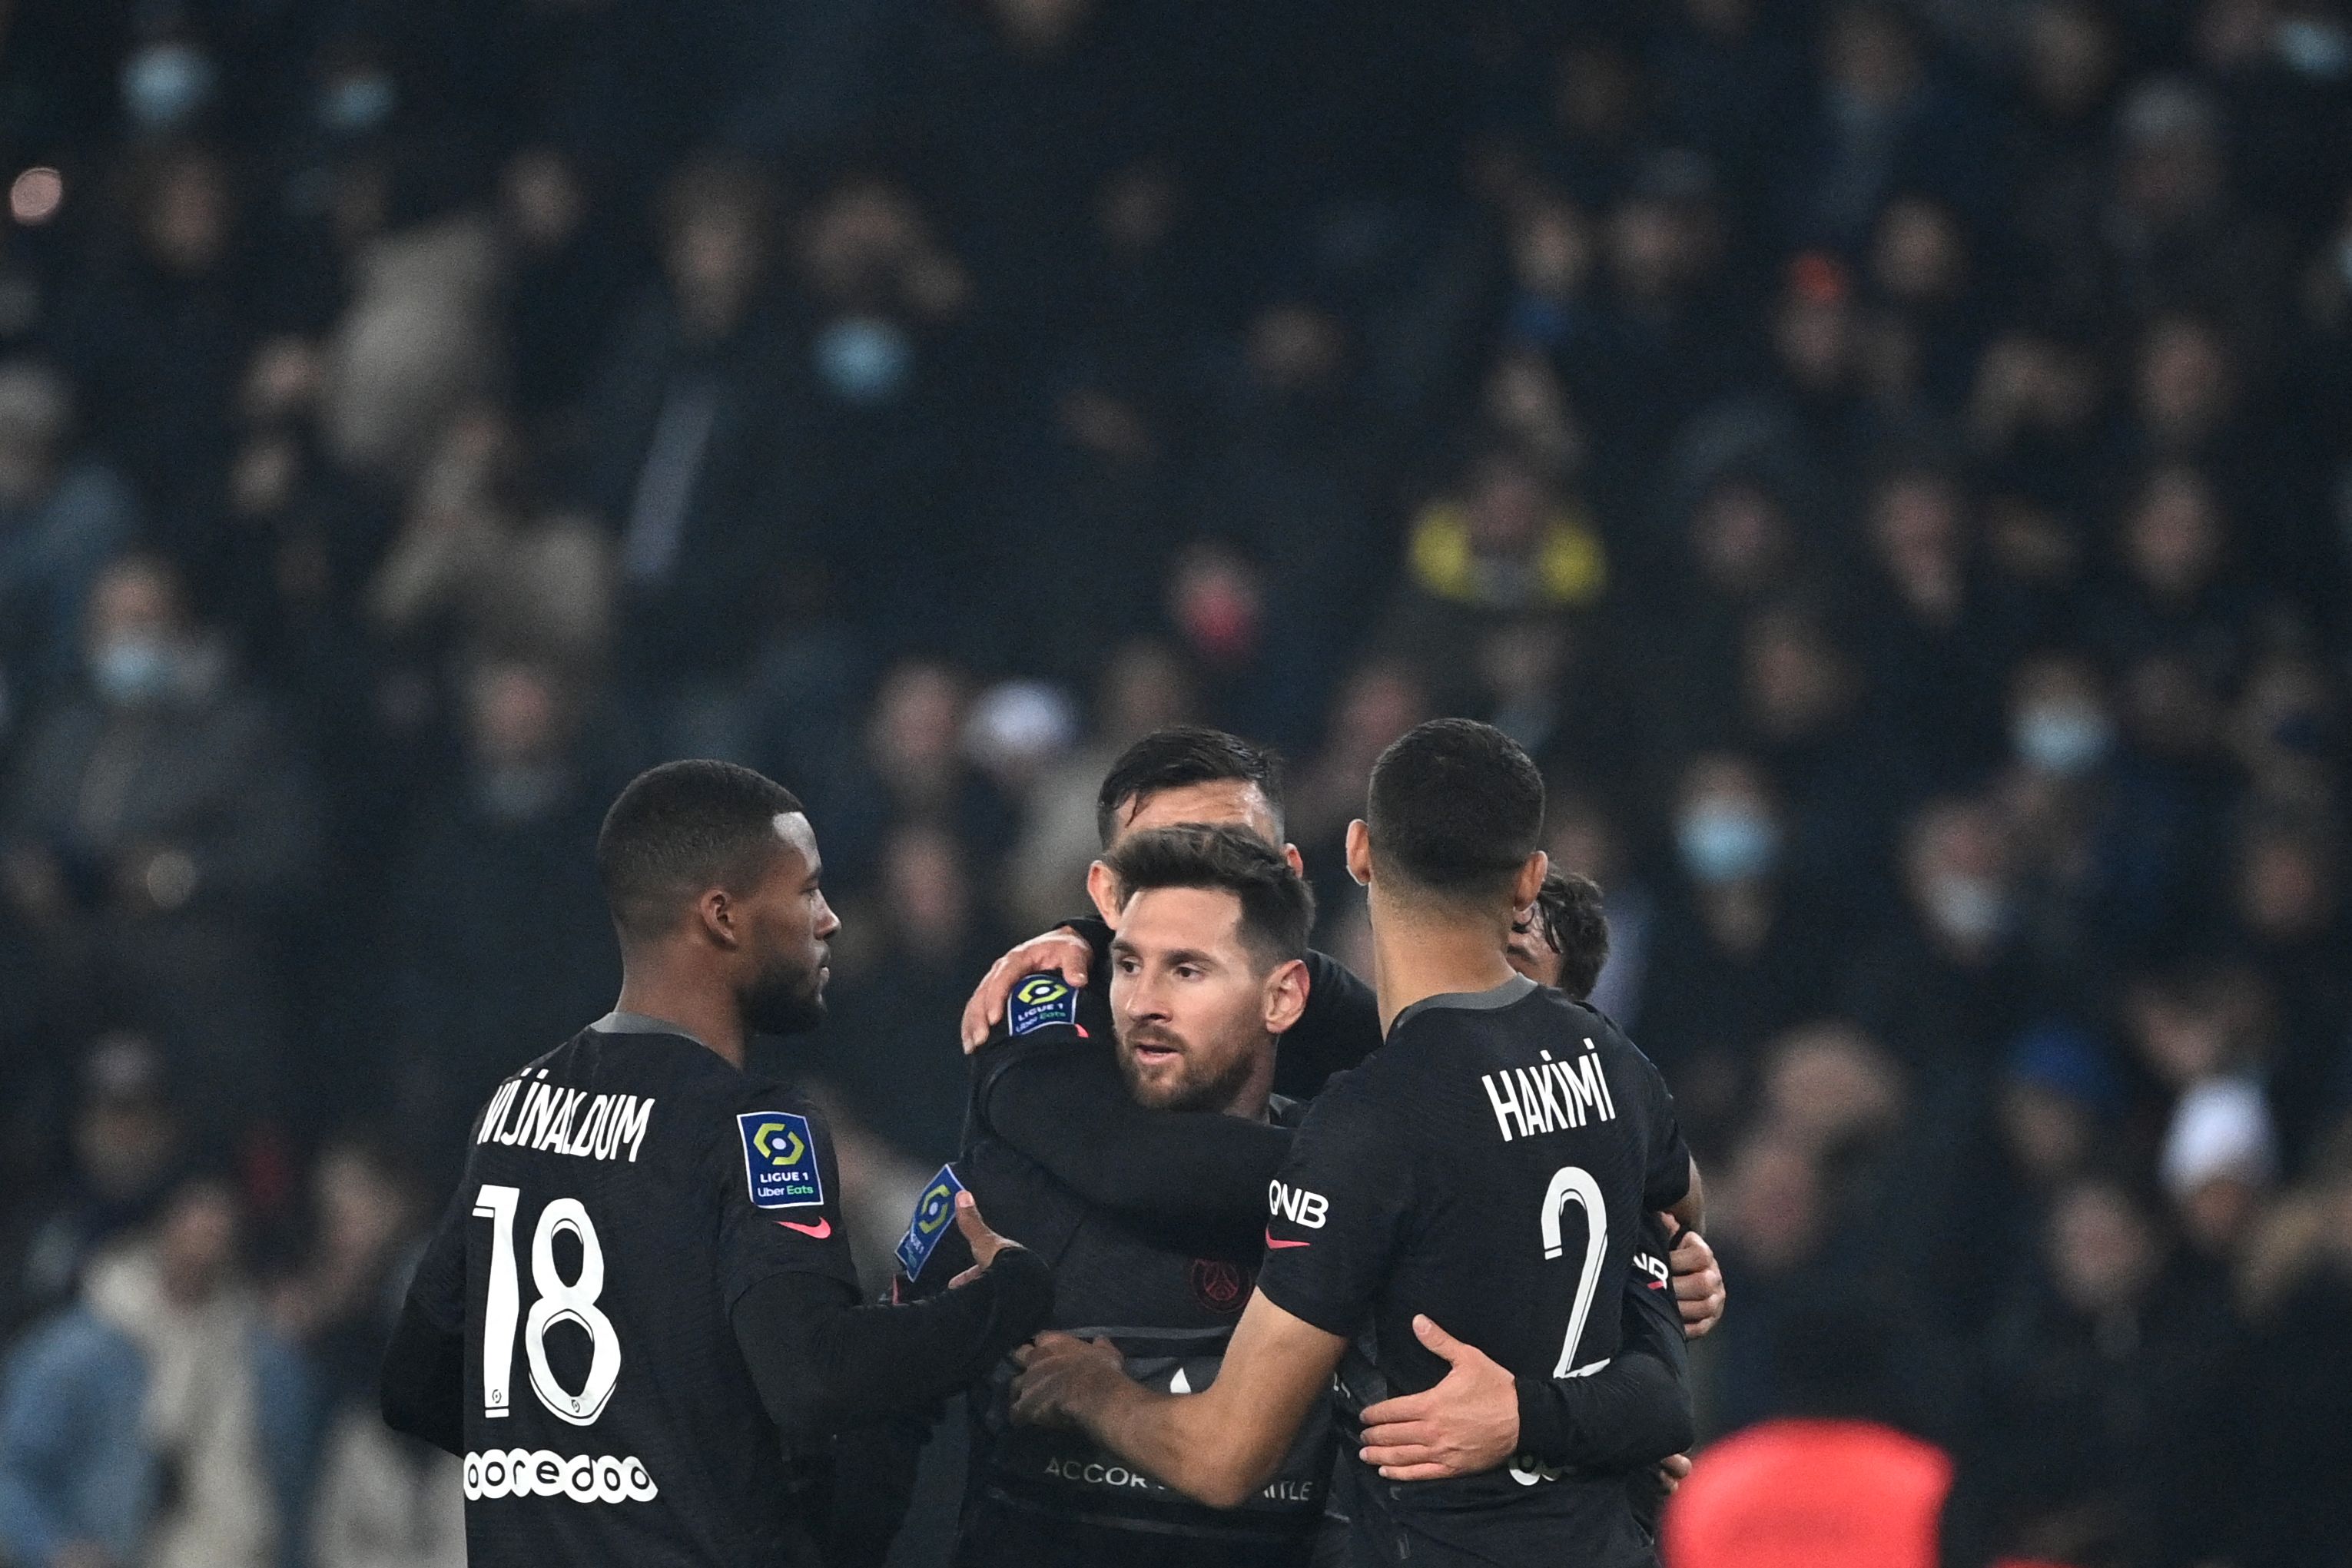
{"points": [[785, 998], [1184, 1091]]}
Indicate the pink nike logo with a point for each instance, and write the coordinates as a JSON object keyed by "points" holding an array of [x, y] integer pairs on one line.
{"points": [[1270, 1241], [821, 1230]]}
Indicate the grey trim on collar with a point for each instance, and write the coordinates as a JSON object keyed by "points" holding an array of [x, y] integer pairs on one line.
{"points": [[1502, 996], [618, 1022]]}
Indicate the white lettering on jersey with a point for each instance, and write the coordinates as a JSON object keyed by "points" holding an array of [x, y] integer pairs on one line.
{"points": [[559, 1121], [536, 1472], [1298, 1206], [1551, 1096]]}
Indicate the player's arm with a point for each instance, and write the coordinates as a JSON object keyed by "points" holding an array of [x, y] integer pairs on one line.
{"points": [[1199, 1177], [1217, 1447], [823, 1361], [422, 1388], [1632, 1412]]}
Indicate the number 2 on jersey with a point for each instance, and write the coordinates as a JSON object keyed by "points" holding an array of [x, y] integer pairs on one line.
{"points": [[1573, 1184], [561, 1301]]}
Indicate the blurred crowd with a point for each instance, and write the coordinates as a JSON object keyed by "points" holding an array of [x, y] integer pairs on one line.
{"points": [[1892, 463]]}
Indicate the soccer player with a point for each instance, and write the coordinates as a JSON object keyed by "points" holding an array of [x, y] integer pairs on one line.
{"points": [[1069, 1110], [1487, 1167], [639, 1323]]}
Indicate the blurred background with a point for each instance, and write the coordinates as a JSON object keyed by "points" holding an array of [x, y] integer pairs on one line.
{"points": [[1892, 463]]}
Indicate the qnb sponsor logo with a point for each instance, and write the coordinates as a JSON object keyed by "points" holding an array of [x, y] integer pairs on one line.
{"points": [[583, 1478], [1551, 1096], [1298, 1205]]}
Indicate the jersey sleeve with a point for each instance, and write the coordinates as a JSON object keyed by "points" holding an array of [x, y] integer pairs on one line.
{"points": [[1665, 1177], [1335, 1212], [779, 1195], [1056, 1096], [437, 1288]]}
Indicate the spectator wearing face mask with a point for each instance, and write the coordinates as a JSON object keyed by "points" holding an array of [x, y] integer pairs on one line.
{"points": [[155, 830], [1732, 961], [2108, 851], [1948, 980], [63, 515]]}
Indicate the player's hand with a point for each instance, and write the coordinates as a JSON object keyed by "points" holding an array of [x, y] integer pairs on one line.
{"points": [[1061, 949], [1672, 1470], [1063, 1377], [1698, 1282], [1468, 1423], [985, 1243]]}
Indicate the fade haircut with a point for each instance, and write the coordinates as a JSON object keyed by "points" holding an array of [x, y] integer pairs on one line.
{"points": [[1277, 906], [1456, 807], [1574, 925], [1184, 755], [679, 828]]}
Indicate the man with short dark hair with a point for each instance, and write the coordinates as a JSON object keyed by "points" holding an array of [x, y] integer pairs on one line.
{"points": [[690, 1291], [1487, 1167], [1207, 973]]}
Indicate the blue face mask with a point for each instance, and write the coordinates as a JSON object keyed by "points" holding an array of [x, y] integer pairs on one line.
{"points": [[133, 672], [164, 86], [1726, 843], [864, 359], [2065, 740], [355, 105]]}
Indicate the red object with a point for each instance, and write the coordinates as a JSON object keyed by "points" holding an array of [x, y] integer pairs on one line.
{"points": [[821, 1230], [1811, 1494]]}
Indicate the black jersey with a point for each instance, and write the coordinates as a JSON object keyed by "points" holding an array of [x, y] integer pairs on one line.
{"points": [[1491, 1165], [620, 1193], [1051, 1498]]}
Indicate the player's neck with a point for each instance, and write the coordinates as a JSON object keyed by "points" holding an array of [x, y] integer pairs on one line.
{"points": [[693, 1009], [1419, 952]]}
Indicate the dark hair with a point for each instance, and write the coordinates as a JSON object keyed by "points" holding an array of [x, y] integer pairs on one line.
{"points": [[1576, 927], [1456, 807], [679, 829], [1184, 755], [1277, 906]]}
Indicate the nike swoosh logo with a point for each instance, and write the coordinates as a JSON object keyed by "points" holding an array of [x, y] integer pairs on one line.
{"points": [[821, 1230], [1270, 1241]]}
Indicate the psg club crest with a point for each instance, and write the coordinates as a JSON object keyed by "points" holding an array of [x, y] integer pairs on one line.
{"points": [[934, 1212], [1219, 1286], [779, 1160]]}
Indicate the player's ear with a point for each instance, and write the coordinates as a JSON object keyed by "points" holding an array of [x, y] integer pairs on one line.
{"points": [[714, 913], [1529, 888], [1285, 995], [1298, 861], [1103, 888], [1359, 852]]}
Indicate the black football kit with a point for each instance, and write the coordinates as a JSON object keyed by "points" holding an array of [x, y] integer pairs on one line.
{"points": [[638, 1322], [1155, 1222], [1491, 1165]]}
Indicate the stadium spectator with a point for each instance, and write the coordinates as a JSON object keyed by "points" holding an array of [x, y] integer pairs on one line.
{"points": [[157, 1420], [63, 515], [156, 830]]}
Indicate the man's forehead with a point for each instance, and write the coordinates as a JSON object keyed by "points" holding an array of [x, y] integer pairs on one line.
{"points": [[1180, 917], [1216, 803]]}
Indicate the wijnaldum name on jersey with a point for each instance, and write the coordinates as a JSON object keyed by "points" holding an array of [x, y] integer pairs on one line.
{"points": [[544, 1116], [1551, 1096]]}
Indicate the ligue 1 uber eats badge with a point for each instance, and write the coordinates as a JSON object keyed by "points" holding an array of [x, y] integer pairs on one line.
{"points": [[1041, 1000], [933, 1212], [779, 1159]]}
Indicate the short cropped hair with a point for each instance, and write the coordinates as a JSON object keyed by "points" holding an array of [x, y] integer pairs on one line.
{"points": [[1456, 807], [679, 828], [1570, 913], [1184, 755], [1277, 906]]}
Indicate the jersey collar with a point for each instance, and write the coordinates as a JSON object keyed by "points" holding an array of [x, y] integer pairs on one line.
{"points": [[618, 1022], [1501, 996]]}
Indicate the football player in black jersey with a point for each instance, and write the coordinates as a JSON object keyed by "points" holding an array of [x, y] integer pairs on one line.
{"points": [[639, 1323], [1067, 1109], [1488, 1167]]}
